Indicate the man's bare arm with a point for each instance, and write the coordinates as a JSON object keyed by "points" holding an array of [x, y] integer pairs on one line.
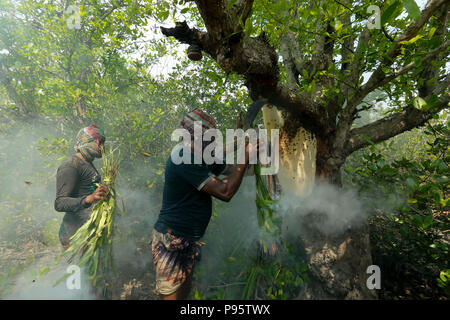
{"points": [[225, 189]]}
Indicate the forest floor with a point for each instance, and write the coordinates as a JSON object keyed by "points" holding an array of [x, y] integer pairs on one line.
{"points": [[403, 281], [136, 282], [132, 282]]}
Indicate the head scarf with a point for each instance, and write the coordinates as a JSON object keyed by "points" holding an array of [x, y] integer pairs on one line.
{"points": [[207, 121], [88, 142]]}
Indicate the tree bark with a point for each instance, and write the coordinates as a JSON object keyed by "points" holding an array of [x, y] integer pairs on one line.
{"points": [[338, 262]]}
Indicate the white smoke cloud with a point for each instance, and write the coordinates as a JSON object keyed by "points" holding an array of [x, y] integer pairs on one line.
{"points": [[30, 286], [341, 208], [28, 220]]}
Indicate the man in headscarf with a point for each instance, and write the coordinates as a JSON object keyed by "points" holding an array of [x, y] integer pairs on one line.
{"points": [[77, 183], [186, 211]]}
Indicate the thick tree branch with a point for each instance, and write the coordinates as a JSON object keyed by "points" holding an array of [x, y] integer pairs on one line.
{"points": [[391, 126], [323, 47], [349, 88], [296, 54], [252, 57], [186, 35], [442, 86], [241, 10], [289, 66], [291, 53], [425, 15], [257, 61], [220, 22], [357, 63], [431, 69]]}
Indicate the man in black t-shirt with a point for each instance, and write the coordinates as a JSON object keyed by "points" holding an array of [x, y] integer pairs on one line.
{"points": [[186, 211], [76, 183]]}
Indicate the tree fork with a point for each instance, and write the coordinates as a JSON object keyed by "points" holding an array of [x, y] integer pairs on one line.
{"points": [[257, 61]]}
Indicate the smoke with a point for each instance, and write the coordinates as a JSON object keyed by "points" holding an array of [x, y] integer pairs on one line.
{"points": [[234, 233], [32, 286], [30, 153], [135, 226], [237, 222], [28, 222], [26, 191], [339, 207]]}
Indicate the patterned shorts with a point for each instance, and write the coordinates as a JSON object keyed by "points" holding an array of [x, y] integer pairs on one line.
{"points": [[174, 259]]}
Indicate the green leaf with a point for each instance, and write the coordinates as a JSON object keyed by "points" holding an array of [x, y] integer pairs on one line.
{"points": [[420, 104], [66, 275], [412, 8], [388, 13], [388, 171], [385, 69], [164, 15], [431, 33], [445, 275], [414, 39], [305, 73], [427, 222], [44, 271]]}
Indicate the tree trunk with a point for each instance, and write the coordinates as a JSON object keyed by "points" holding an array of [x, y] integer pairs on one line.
{"points": [[337, 261]]}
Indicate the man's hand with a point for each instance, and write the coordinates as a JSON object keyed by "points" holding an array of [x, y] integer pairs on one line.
{"points": [[99, 194], [225, 189]]}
